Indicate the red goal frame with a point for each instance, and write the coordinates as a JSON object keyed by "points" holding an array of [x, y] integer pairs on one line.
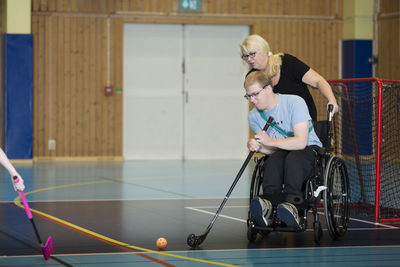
{"points": [[380, 92]]}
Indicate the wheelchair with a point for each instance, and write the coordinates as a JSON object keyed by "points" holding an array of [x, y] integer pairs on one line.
{"points": [[328, 184]]}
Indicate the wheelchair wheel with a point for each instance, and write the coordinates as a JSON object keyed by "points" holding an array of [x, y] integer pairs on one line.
{"points": [[255, 190], [256, 179], [336, 197]]}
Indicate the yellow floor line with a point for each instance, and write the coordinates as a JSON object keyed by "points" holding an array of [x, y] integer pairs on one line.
{"points": [[17, 202]]}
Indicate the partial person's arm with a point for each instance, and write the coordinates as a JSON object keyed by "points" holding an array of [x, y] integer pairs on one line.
{"points": [[10, 168], [297, 142], [255, 146], [314, 79]]}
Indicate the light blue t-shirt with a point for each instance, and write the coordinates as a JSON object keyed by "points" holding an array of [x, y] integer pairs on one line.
{"points": [[290, 110]]}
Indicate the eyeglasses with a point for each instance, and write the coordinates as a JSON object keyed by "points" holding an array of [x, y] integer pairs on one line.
{"points": [[248, 97], [250, 55]]}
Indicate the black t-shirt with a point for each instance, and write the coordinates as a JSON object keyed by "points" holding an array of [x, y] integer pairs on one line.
{"points": [[290, 81]]}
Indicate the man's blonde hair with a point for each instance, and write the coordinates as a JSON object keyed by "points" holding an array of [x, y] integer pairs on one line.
{"points": [[259, 77]]}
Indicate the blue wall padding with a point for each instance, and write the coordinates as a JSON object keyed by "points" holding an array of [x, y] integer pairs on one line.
{"points": [[355, 64], [18, 76], [355, 58]]}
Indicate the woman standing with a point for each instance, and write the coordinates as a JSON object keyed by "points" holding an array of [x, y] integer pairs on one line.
{"points": [[289, 75]]}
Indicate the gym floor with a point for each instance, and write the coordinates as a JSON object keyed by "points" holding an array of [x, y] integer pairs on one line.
{"points": [[111, 213]]}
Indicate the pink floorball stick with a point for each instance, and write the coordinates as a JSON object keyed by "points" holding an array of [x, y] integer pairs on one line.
{"points": [[48, 246]]}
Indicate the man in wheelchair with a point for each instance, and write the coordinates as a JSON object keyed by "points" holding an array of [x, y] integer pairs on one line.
{"points": [[290, 143]]}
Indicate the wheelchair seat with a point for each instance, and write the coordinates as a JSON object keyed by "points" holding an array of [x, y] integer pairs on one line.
{"points": [[327, 183]]}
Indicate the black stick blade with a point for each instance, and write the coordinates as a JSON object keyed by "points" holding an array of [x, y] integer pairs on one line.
{"points": [[192, 241]]}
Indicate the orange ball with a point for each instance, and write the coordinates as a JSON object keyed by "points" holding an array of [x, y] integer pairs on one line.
{"points": [[161, 243]]}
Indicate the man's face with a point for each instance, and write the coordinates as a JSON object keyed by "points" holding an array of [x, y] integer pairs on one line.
{"points": [[256, 94]]}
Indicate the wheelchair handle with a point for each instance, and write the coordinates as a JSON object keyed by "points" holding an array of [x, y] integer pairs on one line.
{"points": [[330, 109]]}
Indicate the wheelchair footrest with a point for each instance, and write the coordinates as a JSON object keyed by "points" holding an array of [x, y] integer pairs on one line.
{"points": [[279, 229]]}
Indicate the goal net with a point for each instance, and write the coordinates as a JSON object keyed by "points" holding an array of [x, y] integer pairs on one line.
{"points": [[366, 134]]}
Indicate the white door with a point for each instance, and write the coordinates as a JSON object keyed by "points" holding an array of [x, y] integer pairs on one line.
{"points": [[152, 110], [215, 114], [183, 92]]}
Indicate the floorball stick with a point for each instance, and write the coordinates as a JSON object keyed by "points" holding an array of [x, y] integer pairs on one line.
{"points": [[48, 246], [193, 240]]}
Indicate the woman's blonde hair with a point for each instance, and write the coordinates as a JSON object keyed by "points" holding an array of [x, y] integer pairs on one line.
{"points": [[255, 43]]}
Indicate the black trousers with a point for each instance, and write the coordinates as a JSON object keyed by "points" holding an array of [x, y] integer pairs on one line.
{"points": [[286, 171]]}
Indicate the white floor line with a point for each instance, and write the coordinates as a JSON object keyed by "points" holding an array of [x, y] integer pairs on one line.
{"points": [[373, 223], [215, 207], [200, 209], [213, 213]]}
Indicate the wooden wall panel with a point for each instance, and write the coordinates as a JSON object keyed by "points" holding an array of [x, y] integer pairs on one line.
{"points": [[2, 27], [70, 57], [91, 102], [217, 7], [65, 107], [72, 65], [389, 6], [388, 66], [41, 99]]}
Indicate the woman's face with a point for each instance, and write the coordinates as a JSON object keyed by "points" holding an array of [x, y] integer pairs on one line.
{"points": [[256, 59]]}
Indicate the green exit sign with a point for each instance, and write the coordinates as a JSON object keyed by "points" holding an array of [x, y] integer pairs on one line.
{"points": [[190, 5]]}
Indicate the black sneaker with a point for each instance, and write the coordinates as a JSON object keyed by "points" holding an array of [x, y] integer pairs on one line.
{"points": [[287, 213], [261, 210]]}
